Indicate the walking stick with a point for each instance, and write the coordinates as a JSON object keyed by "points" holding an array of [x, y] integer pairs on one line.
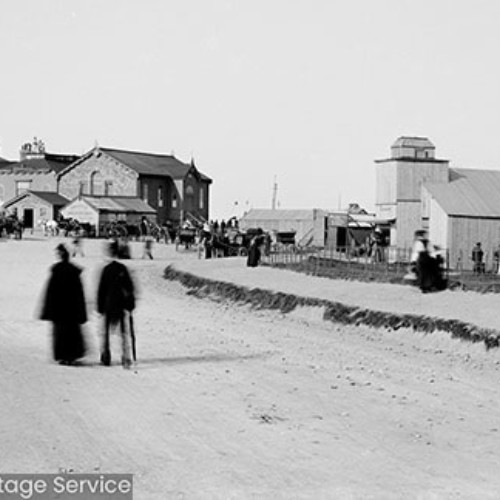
{"points": [[132, 335]]}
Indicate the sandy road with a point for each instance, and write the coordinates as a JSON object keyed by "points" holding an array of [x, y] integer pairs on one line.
{"points": [[232, 403]]}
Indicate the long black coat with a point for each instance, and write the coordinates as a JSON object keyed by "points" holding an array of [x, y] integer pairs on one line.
{"points": [[115, 293], [64, 300]]}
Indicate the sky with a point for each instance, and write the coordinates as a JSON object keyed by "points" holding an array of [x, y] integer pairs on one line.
{"points": [[304, 93]]}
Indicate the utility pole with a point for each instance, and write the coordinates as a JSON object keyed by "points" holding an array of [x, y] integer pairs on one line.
{"points": [[275, 193]]}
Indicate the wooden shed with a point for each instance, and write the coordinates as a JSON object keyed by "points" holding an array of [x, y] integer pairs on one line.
{"points": [[462, 212], [98, 210], [310, 225]]}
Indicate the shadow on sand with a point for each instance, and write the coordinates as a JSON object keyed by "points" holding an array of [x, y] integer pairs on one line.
{"points": [[178, 360]]}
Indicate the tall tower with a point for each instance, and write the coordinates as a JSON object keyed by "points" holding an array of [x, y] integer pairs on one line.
{"points": [[399, 182]]}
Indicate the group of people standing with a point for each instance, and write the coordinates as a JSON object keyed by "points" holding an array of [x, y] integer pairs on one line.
{"points": [[64, 305], [427, 264]]}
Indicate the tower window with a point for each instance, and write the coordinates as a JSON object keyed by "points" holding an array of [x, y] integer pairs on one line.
{"points": [[160, 196]]}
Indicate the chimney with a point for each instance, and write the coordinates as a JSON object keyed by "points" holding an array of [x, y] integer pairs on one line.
{"points": [[32, 150]]}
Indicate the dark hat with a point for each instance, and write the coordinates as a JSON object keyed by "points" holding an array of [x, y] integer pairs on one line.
{"points": [[63, 251]]}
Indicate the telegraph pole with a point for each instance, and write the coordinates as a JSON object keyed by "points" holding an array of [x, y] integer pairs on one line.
{"points": [[275, 193]]}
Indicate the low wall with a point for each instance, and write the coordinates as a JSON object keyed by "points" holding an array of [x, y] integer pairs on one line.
{"points": [[333, 311]]}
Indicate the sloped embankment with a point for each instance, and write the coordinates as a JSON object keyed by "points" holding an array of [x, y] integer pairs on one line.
{"points": [[335, 312]]}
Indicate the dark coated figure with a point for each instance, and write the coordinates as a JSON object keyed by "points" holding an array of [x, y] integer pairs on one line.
{"points": [[115, 300], [64, 305]]}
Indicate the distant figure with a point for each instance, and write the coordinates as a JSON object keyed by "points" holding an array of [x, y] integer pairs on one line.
{"points": [[77, 245], [254, 253], [477, 259], [115, 299], [496, 259], [376, 245], [206, 241], [267, 244], [148, 248], [144, 227], [64, 305]]}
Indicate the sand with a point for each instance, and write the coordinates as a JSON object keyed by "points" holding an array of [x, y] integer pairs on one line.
{"points": [[232, 402]]}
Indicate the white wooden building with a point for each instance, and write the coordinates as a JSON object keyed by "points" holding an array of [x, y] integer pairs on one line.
{"points": [[399, 181], [463, 211], [310, 225]]}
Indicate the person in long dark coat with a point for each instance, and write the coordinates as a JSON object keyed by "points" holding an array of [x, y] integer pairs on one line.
{"points": [[254, 253], [64, 305], [115, 298]]}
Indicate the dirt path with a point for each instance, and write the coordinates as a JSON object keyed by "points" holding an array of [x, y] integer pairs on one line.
{"points": [[227, 402]]}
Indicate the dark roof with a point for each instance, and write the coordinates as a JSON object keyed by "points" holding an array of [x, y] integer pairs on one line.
{"points": [[153, 164], [5, 164], [413, 160], [413, 142], [51, 162], [49, 196], [470, 193]]}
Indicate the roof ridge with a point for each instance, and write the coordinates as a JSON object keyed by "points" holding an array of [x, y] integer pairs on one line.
{"points": [[102, 148]]}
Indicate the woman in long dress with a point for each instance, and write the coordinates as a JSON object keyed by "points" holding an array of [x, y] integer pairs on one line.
{"points": [[64, 305]]}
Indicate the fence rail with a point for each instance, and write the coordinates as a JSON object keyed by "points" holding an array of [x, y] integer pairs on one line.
{"points": [[388, 264]]}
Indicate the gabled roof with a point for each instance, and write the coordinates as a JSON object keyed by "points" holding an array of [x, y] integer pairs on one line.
{"points": [[413, 142], [118, 204], [153, 164], [470, 193], [50, 197], [145, 163], [279, 214]]}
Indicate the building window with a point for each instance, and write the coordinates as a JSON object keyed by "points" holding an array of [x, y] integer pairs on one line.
{"points": [[174, 201], [82, 188], [43, 212], [22, 187], [202, 199], [96, 183], [2, 194], [108, 188], [160, 196], [145, 192]]}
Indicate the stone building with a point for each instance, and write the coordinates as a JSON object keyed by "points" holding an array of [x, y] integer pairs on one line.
{"points": [[36, 206], [177, 191]]}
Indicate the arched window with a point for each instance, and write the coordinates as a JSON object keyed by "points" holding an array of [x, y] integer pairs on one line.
{"points": [[96, 183]]}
